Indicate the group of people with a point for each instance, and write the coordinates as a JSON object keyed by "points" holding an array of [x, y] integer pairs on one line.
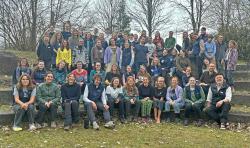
{"points": [[141, 76]]}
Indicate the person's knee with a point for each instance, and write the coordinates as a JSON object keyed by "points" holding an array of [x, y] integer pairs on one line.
{"points": [[31, 107], [74, 103]]}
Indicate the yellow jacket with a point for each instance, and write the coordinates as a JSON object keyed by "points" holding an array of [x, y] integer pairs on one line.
{"points": [[64, 55]]}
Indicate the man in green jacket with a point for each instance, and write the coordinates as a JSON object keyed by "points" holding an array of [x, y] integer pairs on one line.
{"points": [[194, 100], [170, 41], [48, 97]]}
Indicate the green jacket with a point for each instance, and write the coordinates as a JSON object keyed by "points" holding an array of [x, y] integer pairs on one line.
{"points": [[170, 42], [48, 92]]}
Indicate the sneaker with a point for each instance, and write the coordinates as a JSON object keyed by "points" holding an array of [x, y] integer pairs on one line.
{"points": [[222, 126], [86, 123], [53, 124], [168, 120], [177, 120], [95, 125], [66, 128], [32, 127], [45, 125], [17, 129], [199, 123], [123, 121], [38, 126], [109, 124], [185, 123]]}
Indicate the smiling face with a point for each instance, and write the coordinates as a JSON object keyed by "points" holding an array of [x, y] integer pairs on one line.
{"points": [[40, 65], [71, 79], [61, 65], [192, 81], [79, 65], [174, 82], [25, 81], [145, 81], [98, 66], [97, 81], [219, 79], [130, 81], [160, 82], [49, 78], [116, 82]]}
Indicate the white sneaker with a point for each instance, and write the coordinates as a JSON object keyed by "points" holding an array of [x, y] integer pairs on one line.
{"points": [[109, 124], [32, 127], [17, 128], [38, 126], [95, 125], [53, 124]]}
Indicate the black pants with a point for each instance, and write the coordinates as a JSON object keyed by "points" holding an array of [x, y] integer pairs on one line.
{"points": [[43, 110], [128, 106], [195, 108], [120, 104], [220, 115], [71, 112]]}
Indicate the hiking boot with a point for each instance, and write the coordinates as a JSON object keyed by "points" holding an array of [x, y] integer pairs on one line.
{"points": [[66, 128], [186, 122], [86, 123], [95, 125], [222, 126], [53, 124], [109, 124], [32, 127], [17, 128]]}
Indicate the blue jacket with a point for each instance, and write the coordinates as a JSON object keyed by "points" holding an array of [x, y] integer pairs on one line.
{"points": [[38, 76], [210, 49], [126, 57]]}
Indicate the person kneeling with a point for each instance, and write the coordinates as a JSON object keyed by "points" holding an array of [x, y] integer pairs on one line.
{"points": [[48, 97], [70, 92], [95, 99], [24, 95], [194, 100], [218, 101]]}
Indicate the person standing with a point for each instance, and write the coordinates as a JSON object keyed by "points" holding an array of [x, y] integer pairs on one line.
{"points": [[141, 54], [45, 52]]}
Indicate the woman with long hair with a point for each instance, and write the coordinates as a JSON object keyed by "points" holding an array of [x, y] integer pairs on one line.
{"points": [[22, 68], [64, 53]]}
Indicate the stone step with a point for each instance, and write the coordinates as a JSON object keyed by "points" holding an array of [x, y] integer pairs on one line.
{"points": [[241, 99], [241, 75], [242, 85], [243, 67], [239, 117], [6, 96]]}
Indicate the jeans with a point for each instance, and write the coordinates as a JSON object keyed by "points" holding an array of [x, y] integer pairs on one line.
{"points": [[19, 113], [111, 103], [100, 107], [177, 107], [71, 112], [229, 77], [196, 108], [220, 115], [52, 110]]}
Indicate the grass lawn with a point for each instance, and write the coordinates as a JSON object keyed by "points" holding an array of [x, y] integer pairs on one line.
{"points": [[129, 135]]}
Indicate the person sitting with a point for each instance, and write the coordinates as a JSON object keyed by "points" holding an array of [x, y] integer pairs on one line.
{"points": [[186, 76], [194, 97], [48, 97], [155, 69], [39, 73], [207, 78], [131, 97], [146, 93], [22, 68], [115, 97], [182, 62], [70, 93], [60, 74], [24, 98], [80, 75], [160, 91], [98, 71], [127, 74], [114, 72], [94, 98], [218, 101], [174, 99], [140, 75]]}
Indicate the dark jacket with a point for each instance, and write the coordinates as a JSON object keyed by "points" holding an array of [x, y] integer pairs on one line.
{"points": [[70, 92], [45, 52]]}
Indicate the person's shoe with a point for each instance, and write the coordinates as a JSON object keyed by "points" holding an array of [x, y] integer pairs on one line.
{"points": [[123, 121], [110, 125], [185, 123], [86, 123], [177, 120], [95, 125], [129, 119], [38, 126], [45, 125], [66, 128], [32, 127], [222, 126], [135, 119], [17, 128], [199, 123], [168, 120], [53, 124]]}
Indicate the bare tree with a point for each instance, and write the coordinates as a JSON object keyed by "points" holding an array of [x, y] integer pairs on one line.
{"points": [[195, 9], [149, 14]]}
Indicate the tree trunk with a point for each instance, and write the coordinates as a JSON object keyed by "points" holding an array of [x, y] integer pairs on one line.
{"points": [[149, 17], [33, 34]]}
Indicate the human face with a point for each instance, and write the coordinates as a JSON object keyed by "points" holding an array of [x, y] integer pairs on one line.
{"points": [[61, 65], [58, 35], [220, 39], [101, 36], [71, 79], [67, 27], [203, 31], [126, 45], [81, 43], [142, 40], [46, 38], [130, 82], [112, 41], [182, 54], [188, 70], [145, 81], [23, 62], [65, 43], [174, 82], [49, 78], [192, 81], [209, 40], [135, 36], [165, 52], [114, 68], [156, 61], [129, 69], [116, 82], [97, 81], [171, 34], [25, 81], [219, 79], [75, 32], [88, 35], [174, 52], [40, 65], [98, 43], [98, 66], [160, 82], [211, 67], [79, 65]]}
